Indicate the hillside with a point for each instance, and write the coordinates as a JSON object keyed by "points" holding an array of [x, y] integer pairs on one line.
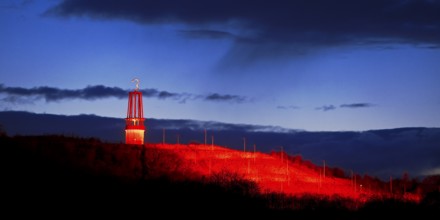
{"points": [[58, 172], [274, 173]]}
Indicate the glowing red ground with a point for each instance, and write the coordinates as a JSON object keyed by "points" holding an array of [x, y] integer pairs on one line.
{"points": [[271, 172]]}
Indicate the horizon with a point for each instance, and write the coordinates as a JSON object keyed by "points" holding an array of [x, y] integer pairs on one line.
{"points": [[361, 66], [284, 129], [379, 153]]}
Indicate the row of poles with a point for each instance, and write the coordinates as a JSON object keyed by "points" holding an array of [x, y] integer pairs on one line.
{"points": [[353, 176]]}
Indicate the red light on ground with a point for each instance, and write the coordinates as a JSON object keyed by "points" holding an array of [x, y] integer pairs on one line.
{"points": [[270, 172]]}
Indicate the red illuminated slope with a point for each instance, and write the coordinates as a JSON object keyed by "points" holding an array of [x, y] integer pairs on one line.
{"points": [[272, 173]]}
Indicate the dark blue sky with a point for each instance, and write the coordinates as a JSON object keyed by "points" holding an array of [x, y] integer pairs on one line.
{"points": [[314, 65]]}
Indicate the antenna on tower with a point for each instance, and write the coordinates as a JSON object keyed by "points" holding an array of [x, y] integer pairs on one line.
{"points": [[136, 80]]}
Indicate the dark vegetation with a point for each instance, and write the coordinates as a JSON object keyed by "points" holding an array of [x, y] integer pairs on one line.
{"points": [[64, 176]]}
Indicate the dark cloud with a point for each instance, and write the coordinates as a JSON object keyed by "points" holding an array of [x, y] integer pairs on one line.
{"points": [[357, 105], [326, 108], [207, 34], [351, 105], [52, 94], [279, 26], [229, 98], [286, 107]]}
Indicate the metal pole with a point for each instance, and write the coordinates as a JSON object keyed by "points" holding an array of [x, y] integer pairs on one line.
{"points": [[352, 178], [281, 154], [163, 135], [205, 137], [244, 144], [254, 152], [212, 141]]}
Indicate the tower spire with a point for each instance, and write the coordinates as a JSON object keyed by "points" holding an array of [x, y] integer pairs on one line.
{"points": [[134, 122]]}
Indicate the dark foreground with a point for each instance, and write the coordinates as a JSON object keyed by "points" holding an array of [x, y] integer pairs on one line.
{"points": [[35, 184]]}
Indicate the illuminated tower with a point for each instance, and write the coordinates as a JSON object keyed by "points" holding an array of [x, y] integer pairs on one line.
{"points": [[134, 123]]}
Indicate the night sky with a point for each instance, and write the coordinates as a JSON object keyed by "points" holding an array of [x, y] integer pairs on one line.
{"points": [[317, 65]]}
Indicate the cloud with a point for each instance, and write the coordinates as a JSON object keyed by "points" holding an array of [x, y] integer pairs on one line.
{"points": [[207, 34], [287, 107], [326, 108], [357, 105], [351, 105], [16, 100], [52, 94], [285, 27], [229, 98]]}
